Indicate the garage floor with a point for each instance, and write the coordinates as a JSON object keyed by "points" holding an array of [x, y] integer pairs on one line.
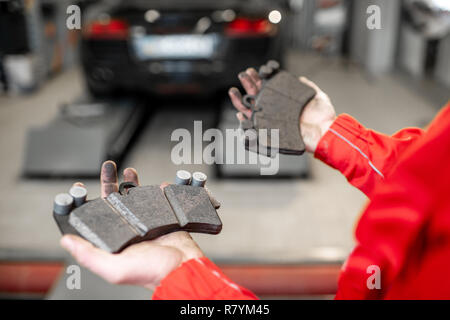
{"points": [[279, 221]]}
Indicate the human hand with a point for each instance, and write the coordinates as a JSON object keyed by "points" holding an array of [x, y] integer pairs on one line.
{"points": [[142, 264], [315, 120]]}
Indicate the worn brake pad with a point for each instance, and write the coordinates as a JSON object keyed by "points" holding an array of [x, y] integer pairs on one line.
{"points": [[143, 213], [278, 105]]}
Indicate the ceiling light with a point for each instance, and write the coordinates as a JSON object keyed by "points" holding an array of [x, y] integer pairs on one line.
{"points": [[228, 15], [152, 15], [275, 16]]}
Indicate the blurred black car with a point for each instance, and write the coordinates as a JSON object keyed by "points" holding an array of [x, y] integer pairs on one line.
{"points": [[177, 47]]}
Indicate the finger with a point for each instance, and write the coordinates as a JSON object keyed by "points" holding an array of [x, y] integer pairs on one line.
{"points": [[79, 184], [310, 83], [108, 178], [236, 99], [95, 259], [244, 123], [248, 84], [255, 77], [79, 199], [163, 185], [240, 116], [130, 175]]}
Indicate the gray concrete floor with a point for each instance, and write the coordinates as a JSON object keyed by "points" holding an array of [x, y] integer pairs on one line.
{"points": [[278, 221]]}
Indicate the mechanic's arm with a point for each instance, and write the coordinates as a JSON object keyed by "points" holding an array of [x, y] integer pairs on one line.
{"points": [[173, 263], [364, 156], [401, 219]]}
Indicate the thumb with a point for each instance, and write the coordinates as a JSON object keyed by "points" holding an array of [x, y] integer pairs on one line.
{"points": [[240, 116], [310, 83]]}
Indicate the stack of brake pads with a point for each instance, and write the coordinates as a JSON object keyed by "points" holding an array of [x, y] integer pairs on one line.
{"points": [[278, 105], [135, 214]]}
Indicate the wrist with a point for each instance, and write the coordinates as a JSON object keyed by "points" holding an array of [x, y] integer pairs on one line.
{"points": [[165, 268], [191, 252], [325, 125], [312, 133]]}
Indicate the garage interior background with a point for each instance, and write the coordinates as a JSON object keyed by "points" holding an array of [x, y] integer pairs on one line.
{"points": [[58, 122]]}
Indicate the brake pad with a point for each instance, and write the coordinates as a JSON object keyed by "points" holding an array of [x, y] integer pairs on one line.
{"points": [[138, 214], [278, 105]]}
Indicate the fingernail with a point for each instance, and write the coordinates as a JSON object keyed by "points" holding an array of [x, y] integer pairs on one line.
{"points": [[109, 166], [233, 91], [67, 243], [132, 170], [109, 171], [242, 75]]}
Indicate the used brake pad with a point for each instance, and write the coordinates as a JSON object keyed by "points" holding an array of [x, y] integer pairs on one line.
{"points": [[278, 105], [142, 213]]}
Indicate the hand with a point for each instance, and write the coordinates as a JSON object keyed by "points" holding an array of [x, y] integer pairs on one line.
{"points": [[143, 264], [315, 120]]}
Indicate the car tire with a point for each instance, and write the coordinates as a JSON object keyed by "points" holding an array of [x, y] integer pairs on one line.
{"points": [[98, 90]]}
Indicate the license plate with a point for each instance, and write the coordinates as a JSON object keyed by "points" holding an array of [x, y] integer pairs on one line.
{"points": [[175, 46]]}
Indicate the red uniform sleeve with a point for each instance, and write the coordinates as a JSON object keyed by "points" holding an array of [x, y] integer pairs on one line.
{"points": [[200, 279], [364, 156], [391, 232]]}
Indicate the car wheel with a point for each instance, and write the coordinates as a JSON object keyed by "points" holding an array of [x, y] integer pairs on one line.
{"points": [[98, 90]]}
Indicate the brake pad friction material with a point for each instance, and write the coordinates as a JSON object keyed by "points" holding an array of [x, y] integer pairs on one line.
{"points": [[143, 213], [150, 208], [98, 223], [278, 105], [193, 208]]}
